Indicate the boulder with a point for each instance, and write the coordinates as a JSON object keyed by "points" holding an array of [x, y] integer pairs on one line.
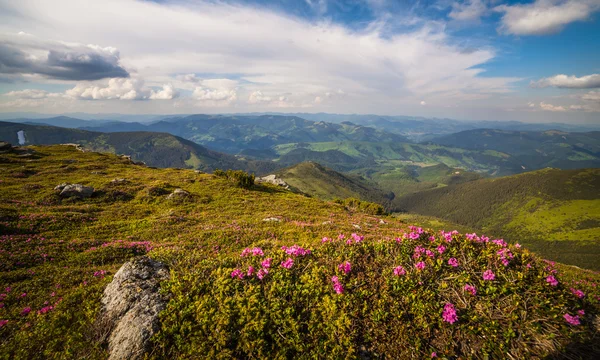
{"points": [[5, 146], [269, 219], [273, 179], [130, 307], [118, 181], [179, 194], [74, 190]]}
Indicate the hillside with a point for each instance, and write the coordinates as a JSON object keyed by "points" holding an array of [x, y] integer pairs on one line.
{"points": [[411, 178], [154, 149], [352, 286], [555, 212], [533, 150], [234, 133], [316, 180]]}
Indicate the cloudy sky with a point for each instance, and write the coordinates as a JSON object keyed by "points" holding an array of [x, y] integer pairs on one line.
{"points": [[528, 60]]}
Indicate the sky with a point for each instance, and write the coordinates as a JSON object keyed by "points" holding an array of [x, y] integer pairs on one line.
{"points": [[528, 60]]}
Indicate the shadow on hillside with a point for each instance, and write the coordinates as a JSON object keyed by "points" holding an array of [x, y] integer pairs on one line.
{"points": [[577, 350]]}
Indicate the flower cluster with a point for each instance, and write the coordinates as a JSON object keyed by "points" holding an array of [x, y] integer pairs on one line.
{"points": [[255, 251], [288, 263], [453, 262], [580, 294], [337, 286], [572, 319], [489, 275], [471, 289], [399, 271], [552, 280], [345, 267], [355, 239], [295, 250], [449, 314]]}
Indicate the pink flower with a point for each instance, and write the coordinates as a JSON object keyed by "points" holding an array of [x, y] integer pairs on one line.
{"points": [[25, 311], [449, 314], [266, 263], [413, 236], [399, 271], [237, 273], [262, 273], [3, 296], [45, 309], [255, 251], [3, 322], [441, 249], [250, 270], [488, 275], [551, 280], [1, 305], [433, 355], [453, 262], [325, 239], [295, 250], [345, 267], [287, 263], [572, 319], [528, 266], [357, 238], [420, 265], [518, 246], [337, 286], [580, 294], [581, 312], [341, 236], [23, 295], [471, 289]]}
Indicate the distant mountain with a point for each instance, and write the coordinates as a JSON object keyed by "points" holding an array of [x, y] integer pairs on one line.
{"points": [[316, 180], [235, 133], [533, 150], [155, 149], [61, 121], [418, 128], [553, 211]]}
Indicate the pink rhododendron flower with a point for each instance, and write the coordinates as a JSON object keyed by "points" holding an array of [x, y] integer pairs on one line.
{"points": [[471, 289], [3, 296], [325, 239], [250, 270], [572, 319], [518, 246], [449, 314], [266, 263], [262, 273], [25, 311], [580, 294], [441, 249], [287, 263], [488, 275], [581, 312], [345, 267], [413, 236], [433, 355], [3, 322], [295, 250], [237, 273], [23, 294], [552, 280], [357, 238], [420, 265], [399, 271], [528, 266], [1, 305], [337, 286], [255, 251], [45, 309], [341, 236], [432, 238], [453, 262]]}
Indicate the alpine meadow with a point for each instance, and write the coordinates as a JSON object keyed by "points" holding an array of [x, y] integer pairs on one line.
{"points": [[319, 179]]}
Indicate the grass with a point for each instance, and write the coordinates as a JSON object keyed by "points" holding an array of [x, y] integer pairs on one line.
{"points": [[63, 252]]}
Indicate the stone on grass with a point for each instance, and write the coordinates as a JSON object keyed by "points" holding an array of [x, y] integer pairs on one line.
{"points": [[74, 190]]}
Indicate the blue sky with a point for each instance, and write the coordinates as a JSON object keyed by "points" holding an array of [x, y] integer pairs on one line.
{"points": [[530, 60]]}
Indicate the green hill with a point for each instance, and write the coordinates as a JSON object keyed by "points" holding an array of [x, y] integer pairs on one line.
{"points": [[154, 149], [383, 290], [533, 150], [316, 180], [556, 212]]}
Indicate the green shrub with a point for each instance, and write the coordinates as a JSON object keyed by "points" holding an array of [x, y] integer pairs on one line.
{"points": [[356, 205], [238, 177]]}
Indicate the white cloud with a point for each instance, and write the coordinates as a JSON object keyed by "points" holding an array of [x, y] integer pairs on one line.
{"points": [[423, 103], [569, 82], [269, 52], [470, 10], [531, 105], [550, 107], [544, 16], [258, 97], [168, 92], [28, 94], [204, 94], [592, 96], [121, 89]]}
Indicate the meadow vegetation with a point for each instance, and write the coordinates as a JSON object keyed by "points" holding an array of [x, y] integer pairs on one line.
{"points": [[257, 271]]}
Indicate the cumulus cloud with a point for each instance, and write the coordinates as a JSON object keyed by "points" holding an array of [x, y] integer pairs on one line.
{"points": [[121, 89], [28, 94], [569, 82], [470, 10], [212, 94], [550, 107], [423, 103], [24, 54], [592, 96], [544, 16]]}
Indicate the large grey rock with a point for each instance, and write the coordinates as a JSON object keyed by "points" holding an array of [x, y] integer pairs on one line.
{"points": [[130, 307], [5, 146], [74, 190], [273, 179]]}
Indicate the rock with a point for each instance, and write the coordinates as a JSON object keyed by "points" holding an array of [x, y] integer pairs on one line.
{"points": [[179, 194], [328, 222], [199, 172], [356, 226], [118, 181], [5, 146], [382, 222], [273, 179], [272, 219], [130, 307], [74, 190]]}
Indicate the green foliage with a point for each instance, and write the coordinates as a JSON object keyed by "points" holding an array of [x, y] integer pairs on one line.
{"points": [[296, 312], [353, 204], [238, 177]]}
